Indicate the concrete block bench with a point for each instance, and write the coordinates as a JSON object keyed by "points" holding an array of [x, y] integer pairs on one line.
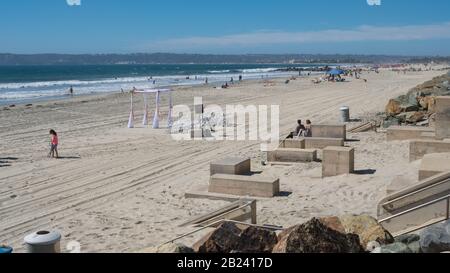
{"points": [[329, 131], [442, 117], [296, 143], [231, 165], [292, 155], [407, 132], [338, 161], [322, 142], [434, 164], [241, 185], [419, 148]]}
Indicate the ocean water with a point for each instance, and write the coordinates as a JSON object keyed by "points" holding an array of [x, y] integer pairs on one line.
{"points": [[27, 84]]}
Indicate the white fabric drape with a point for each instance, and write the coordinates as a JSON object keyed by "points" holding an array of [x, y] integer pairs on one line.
{"points": [[145, 120], [170, 120], [131, 118], [156, 117], [157, 114]]}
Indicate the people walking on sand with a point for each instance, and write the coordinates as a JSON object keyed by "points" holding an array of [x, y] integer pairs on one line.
{"points": [[53, 144]]}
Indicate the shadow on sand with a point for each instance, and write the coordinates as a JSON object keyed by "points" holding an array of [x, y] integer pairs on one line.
{"points": [[6, 161], [365, 172], [284, 194], [69, 157]]}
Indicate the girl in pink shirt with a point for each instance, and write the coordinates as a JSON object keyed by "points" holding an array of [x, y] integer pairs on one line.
{"points": [[53, 144]]}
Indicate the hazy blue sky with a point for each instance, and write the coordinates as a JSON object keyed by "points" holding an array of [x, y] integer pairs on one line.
{"points": [[415, 27]]}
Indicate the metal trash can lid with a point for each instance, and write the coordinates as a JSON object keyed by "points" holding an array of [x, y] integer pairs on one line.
{"points": [[343, 108], [43, 238], [5, 249]]}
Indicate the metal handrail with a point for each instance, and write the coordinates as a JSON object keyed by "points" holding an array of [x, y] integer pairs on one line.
{"points": [[221, 222], [247, 204], [447, 216]]}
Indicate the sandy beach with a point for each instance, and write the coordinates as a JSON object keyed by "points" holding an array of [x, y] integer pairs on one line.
{"points": [[122, 190]]}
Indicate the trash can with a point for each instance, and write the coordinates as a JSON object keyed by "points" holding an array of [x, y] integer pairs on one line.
{"points": [[43, 242], [264, 150], [5, 249], [345, 114]]}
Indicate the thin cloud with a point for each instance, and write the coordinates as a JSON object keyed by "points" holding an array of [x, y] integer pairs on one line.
{"points": [[359, 34]]}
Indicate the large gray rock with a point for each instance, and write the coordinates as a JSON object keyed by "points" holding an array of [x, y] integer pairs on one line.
{"points": [[391, 121], [435, 239], [415, 247], [407, 239], [315, 237], [447, 226], [397, 248], [410, 240]]}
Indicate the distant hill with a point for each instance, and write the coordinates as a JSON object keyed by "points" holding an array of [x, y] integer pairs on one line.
{"points": [[168, 58]]}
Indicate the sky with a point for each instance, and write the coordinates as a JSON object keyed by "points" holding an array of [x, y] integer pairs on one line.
{"points": [[396, 27]]}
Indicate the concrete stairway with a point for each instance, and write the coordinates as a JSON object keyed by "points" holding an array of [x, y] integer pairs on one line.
{"points": [[416, 207]]}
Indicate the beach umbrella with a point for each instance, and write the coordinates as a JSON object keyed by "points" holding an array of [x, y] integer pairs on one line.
{"points": [[336, 72]]}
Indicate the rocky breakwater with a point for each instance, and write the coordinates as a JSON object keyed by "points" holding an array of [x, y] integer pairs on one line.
{"points": [[434, 239], [346, 234], [417, 107]]}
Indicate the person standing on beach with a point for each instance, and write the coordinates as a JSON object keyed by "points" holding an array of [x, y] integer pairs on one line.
{"points": [[71, 91], [53, 144]]}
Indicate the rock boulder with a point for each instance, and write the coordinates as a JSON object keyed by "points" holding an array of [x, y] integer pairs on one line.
{"points": [[367, 228], [393, 108], [435, 239], [316, 237], [229, 238], [398, 248], [256, 240], [222, 240]]}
